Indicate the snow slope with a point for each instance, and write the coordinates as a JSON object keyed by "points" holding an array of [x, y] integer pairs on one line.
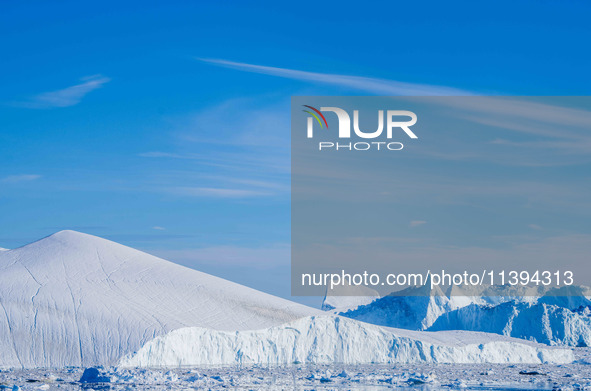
{"points": [[73, 299], [330, 339]]}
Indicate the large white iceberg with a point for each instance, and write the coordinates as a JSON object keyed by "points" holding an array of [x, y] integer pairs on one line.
{"points": [[73, 299], [330, 339]]}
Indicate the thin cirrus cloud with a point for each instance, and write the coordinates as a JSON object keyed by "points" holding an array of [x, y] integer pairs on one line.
{"points": [[276, 254], [218, 192], [65, 97], [158, 154], [240, 156], [545, 120], [20, 178], [360, 83]]}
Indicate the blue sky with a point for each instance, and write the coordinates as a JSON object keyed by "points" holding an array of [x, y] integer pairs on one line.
{"points": [[165, 126]]}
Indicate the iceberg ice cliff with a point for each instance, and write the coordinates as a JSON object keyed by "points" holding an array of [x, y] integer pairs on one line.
{"points": [[554, 316], [330, 339], [545, 323]]}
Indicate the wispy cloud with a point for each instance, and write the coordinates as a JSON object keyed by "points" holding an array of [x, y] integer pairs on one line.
{"points": [[169, 155], [444, 188], [82, 228], [218, 192], [234, 150], [257, 257], [158, 228], [561, 132], [129, 239], [360, 83], [526, 132], [20, 178], [65, 97], [417, 223]]}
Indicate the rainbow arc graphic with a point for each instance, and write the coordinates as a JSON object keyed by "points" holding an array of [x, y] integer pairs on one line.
{"points": [[313, 114]]}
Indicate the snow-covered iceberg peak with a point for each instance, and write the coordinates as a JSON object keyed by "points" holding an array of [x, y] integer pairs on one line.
{"points": [[330, 339], [73, 299]]}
